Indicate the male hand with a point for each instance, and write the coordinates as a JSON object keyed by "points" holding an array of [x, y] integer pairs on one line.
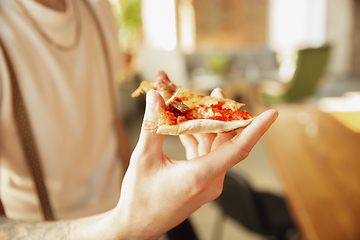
{"points": [[158, 192]]}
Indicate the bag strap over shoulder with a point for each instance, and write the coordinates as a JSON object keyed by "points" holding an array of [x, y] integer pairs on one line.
{"points": [[27, 140]]}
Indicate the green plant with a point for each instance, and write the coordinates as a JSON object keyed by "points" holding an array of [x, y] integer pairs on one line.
{"points": [[128, 13], [217, 63]]}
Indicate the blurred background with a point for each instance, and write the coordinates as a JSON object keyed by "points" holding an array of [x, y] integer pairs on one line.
{"points": [[301, 57]]}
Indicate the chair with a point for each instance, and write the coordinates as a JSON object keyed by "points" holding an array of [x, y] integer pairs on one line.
{"points": [[183, 231], [310, 66], [259, 212]]}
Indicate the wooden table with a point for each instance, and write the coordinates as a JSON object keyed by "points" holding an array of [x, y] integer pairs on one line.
{"points": [[318, 160]]}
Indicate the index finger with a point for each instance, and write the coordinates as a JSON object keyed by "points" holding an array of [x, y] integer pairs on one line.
{"points": [[236, 149]]}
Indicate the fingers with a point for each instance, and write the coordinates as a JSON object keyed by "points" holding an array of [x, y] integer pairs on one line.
{"points": [[205, 141], [252, 134], [197, 144], [237, 149], [190, 144], [217, 92], [149, 140], [222, 137]]}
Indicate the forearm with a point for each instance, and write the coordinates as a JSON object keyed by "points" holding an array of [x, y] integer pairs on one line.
{"points": [[12, 229], [94, 227]]}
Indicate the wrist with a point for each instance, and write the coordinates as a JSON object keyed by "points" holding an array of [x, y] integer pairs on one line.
{"points": [[133, 225], [101, 226]]}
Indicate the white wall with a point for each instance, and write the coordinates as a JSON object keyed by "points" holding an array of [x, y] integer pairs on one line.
{"points": [[338, 32], [172, 62]]}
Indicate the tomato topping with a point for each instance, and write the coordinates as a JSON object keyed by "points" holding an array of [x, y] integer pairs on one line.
{"points": [[214, 112], [227, 114], [167, 117]]}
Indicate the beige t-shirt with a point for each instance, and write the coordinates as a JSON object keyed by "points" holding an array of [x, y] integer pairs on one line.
{"points": [[66, 93]]}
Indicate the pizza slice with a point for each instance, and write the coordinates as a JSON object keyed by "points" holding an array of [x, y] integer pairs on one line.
{"points": [[188, 112]]}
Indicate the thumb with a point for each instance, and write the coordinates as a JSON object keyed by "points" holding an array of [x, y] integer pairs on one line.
{"points": [[149, 140]]}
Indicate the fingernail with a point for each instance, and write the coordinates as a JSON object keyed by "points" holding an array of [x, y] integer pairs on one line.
{"points": [[273, 112]]}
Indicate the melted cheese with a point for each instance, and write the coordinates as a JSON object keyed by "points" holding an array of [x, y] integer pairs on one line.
{"points": [[189, 98], [193, 99]]}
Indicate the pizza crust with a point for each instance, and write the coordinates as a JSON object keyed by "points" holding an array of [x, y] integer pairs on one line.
{"points": [[203, 126]]}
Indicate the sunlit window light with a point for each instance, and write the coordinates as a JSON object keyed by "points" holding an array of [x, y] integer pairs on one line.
{"points": [[159, 24], [187, 26], [297, 23]]}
